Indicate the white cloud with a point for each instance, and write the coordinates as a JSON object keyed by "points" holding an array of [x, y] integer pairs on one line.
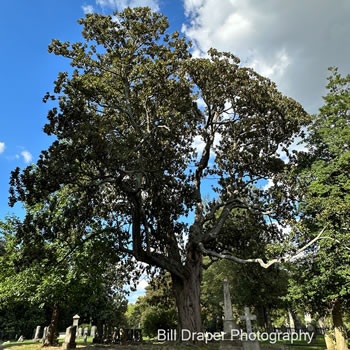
{"points": [[2, 147], [292, 42], [142, 285], [140, 291], [27, 156], [122, 4], [268, 185], [88, 9], [198, 144]]}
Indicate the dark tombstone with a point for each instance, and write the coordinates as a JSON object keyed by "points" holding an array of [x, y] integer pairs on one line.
{"points": [[138, 335], [129, 335]]}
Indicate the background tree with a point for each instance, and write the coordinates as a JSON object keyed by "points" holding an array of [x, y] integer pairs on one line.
{"points": [[125, 130], [39, 273], [156, 310], [322, 279], [251, 285]]}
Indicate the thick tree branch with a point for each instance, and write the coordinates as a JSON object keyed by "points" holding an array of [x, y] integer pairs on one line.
{"points": [[260, 261]]}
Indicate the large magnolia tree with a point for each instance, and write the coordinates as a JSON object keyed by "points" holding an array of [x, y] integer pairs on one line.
{"points": [[126, 127]]}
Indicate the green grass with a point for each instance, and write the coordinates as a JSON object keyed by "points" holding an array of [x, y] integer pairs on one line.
{"points": [[153, 345], [30, 345]]}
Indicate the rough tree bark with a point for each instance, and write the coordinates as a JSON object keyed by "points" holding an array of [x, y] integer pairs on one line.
{"points": [[339, 330], [329, 339], [51, 338], [325, 322], [187, 293]]}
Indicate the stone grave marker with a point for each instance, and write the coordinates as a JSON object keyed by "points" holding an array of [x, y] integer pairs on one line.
{"points": [[248, 318], [229, 323], [93, 331], [76, 320], [80, 332], [45, 334], [37, 333], [69, 340]]}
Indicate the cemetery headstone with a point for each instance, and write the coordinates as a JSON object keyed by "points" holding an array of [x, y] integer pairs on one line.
{"points": [[69, 340], [229, 323], [45, 333], [93, 331], [138, 335], [20, 339], [85, 338], [37, 333], [76, 323], [248, 318], [86, 331], [116, 335], [76, 320], [80, 332]]}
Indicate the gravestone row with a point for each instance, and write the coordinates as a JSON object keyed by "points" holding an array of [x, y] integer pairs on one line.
{"points": [[109, 334]]}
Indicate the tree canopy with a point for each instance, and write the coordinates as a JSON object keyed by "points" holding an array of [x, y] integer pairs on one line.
{"points": [[322, 280], [126, 124]]}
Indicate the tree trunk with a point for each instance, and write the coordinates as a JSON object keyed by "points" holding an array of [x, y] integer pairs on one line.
{"points": [[339, 330], [291, 319], [187, 294], [51, 339], [329, 339], [326, 323]]}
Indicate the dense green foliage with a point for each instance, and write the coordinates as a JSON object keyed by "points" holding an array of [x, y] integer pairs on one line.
{"points": [[322, 280], [325, 202], [155, 310], [124, 154], [38, 275]]}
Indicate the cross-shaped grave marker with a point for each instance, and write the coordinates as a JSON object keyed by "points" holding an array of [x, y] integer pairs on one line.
{"points": [[248, 317]]}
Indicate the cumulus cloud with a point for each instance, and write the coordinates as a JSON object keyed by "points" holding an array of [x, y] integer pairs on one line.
{"points": [[292, 42], [122, 4], [88, 9], [27, 156], [2, 147]]}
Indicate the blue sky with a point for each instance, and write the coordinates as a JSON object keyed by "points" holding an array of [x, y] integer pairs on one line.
{"points": [[28, 71], [291, 42]]}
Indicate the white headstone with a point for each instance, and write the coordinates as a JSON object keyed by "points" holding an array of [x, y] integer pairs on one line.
{"points": [[45, 333], [76, 320], [37, 332], [20, 339], [93, 331]]}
